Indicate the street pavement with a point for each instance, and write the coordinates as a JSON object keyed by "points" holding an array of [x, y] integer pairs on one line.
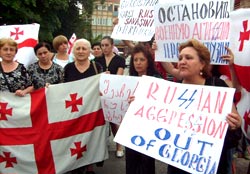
{"points": [[116, 165]]}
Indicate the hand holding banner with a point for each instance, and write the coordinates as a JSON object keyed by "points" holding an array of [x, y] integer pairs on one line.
{"points": [[179, 124]]}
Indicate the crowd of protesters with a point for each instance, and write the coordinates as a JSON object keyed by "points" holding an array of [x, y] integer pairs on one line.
{"points": [[193, 67]]}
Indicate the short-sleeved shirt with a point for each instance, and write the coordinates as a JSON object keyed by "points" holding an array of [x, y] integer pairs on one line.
{"points": [[115, 63], [71, 73], [19, 79], [40, 77]]}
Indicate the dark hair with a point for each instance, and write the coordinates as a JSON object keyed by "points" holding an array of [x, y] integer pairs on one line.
{"points": [[151, 70], [41, 44], [96, 44], [203, 53], [109, 38]]}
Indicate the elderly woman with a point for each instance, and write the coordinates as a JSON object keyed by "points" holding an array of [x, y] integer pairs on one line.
{"points": [[194, 68], [13, 75], [81, 68], [44, 71]]}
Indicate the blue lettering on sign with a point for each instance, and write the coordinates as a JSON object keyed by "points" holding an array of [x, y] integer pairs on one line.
{"points": [[187, 99], [177, 149]]}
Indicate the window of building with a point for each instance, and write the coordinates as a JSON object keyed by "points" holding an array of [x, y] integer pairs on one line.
{"points": [[110, 7], [105, 7], [116, 7]]}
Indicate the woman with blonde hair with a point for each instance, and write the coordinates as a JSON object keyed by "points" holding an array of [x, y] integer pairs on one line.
{"points": [[13, 75]]}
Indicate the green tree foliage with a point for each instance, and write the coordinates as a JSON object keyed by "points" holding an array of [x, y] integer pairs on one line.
{"points": [[54, 16], [34, 11]]}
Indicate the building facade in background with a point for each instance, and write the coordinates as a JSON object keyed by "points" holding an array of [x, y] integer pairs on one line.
{"points": [[103, 15]]}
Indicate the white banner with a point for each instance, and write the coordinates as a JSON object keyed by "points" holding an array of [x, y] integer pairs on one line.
{"points": [[179, 124], [116, 89], [177, 21], [136, 20]]}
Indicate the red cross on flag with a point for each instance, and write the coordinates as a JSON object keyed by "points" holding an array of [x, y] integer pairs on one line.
{"points": [[52, 130], [26, 36]]}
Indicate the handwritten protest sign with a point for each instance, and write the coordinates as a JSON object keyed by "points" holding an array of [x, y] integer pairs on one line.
{"points": [[136, 20], [180, 124], [176, 21], [116, 90]]}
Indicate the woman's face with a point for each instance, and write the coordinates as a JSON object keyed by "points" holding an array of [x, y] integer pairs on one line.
{"points": [[43, 55], [107, 47], [140, 63], [7, 52], [81, 52], [97, 51], [63, 47], [189, 63]]}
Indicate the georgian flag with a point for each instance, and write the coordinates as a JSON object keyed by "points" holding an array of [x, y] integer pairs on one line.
{"points": [[52, 130], [71, 42], [26, 36], [240, 44]]}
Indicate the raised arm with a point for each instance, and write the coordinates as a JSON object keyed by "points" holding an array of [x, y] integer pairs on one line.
{"points": [[168, 66], [234, 78]]}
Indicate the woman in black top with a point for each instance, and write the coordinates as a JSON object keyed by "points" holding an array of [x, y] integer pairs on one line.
{"points": [[141, 63], [81, 68], [113, 64], [194, 68]]}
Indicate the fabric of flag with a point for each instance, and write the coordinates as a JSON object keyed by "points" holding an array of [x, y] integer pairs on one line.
{"points": [[71, 42], [26, 36], [52, 130], [240, 44]]}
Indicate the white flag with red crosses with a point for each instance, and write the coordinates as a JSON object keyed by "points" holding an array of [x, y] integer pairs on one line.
{"points": [[26, 35], [240, 44], [52, 130]]}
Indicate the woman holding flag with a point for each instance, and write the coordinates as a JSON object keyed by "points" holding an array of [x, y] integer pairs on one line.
{"points": [[81, 68], [44, 71], [13, 75]]}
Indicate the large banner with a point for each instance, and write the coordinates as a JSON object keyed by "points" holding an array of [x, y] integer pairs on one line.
{"points": [[179, 124], [26, 36], [52, 130], [116, 90], [136, 20], [176, 21]]}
